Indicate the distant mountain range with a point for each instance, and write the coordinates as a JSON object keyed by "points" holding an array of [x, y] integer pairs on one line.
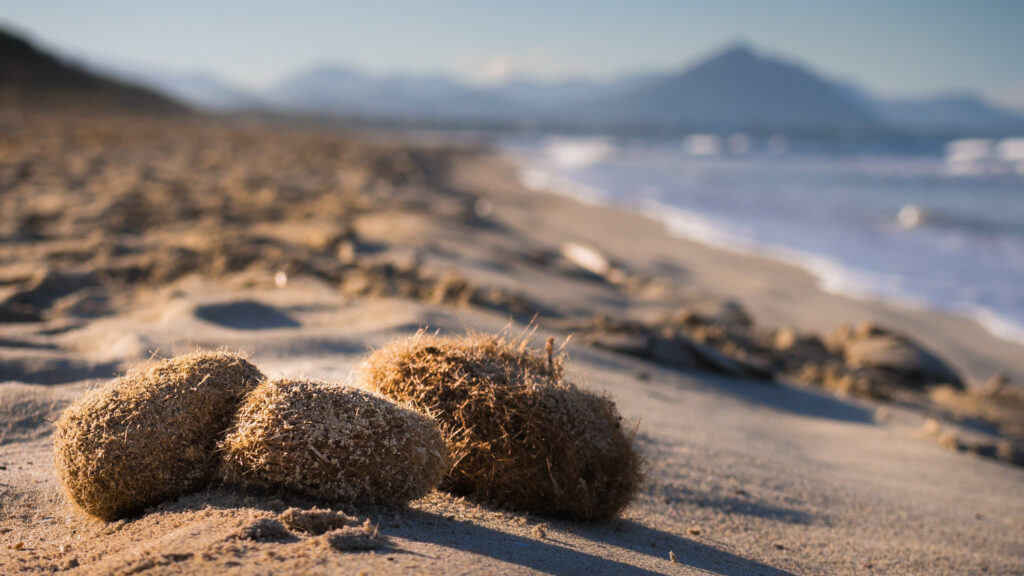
{"points": [[202, 91], [30, 77], [736, 89], [956, 112]]}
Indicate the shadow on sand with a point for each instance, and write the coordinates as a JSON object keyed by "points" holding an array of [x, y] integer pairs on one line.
{"points": [[771, 394], [541, 554], [556, 558], [55, 370], [788, 398], [642, 539], [246, 315]]}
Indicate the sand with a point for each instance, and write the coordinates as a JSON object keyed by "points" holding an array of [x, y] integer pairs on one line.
{"points": [[745, 476]]}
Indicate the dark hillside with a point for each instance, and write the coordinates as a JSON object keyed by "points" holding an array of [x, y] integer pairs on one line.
{"points": [[30, 77]]}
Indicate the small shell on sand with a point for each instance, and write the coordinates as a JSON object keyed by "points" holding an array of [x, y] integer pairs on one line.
{"points": [[150, 435], [332, 442]]}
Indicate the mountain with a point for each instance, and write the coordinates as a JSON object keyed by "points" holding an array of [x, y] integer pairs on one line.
{"points": [[950, 114], [197, 89], [32, 77], [552, 95], [958, 113], [740, 89], [733, 90], [736, 89], [340, 90]]}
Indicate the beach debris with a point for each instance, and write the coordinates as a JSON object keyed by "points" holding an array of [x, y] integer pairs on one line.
{"points": [[586, 257], [281, 279], [388, 278], [539, 531], [333, 442], [874, 347], [712, 311], [882, 415], [365, 536], [931, 427], [483, 208], [250, 201], [996, 384], [719, 336], [150, 435], [804, 345], [1002, 409], [835, 376], [589, 259], [12, 312], [1005, 450], [785, 338], [671, 346], [265, 530], [1008, 449], [315, 520], [346, 252], [519, 435], [29, 299]]}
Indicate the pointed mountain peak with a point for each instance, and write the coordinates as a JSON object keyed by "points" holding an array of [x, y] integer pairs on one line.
{"points": [[737, 51]]}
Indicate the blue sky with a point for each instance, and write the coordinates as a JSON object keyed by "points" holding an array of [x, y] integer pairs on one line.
{"points": [[896, 47]]}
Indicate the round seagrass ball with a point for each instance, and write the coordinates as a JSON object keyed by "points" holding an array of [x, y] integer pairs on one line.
{"points": [[149, 435], [332, 442], [518, 435]]}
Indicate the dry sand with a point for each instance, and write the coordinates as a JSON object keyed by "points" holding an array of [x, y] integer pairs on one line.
{"points": [[744, 476]]}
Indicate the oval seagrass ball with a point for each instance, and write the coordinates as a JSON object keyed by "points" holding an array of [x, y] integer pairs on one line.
{"points": [[332, 442], [518, 434], [151, 434]]}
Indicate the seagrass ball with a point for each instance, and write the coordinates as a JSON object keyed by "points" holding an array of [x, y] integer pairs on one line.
{"points": [[519, 435], [332, 442], [149, 435]]}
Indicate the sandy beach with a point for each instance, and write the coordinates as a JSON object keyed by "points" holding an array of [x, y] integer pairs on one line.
{"points": [[770, 446]]}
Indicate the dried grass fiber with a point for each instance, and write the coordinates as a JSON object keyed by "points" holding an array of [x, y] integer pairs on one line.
{"points": [[332, 442], [150, 435], [518, 434]]}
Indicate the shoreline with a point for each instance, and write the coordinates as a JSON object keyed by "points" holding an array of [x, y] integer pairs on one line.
{"points": [[833, 276], [907, 315]]}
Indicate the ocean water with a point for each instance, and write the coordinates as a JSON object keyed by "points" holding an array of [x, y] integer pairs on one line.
{"points": [[926, 223]]}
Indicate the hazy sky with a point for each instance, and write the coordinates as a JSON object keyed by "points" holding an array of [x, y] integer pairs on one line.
{"points": [[894, 47]]}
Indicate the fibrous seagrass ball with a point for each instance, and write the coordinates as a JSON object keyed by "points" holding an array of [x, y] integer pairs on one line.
{"points": [[151, 434], [332, 442], [518, 435]]}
